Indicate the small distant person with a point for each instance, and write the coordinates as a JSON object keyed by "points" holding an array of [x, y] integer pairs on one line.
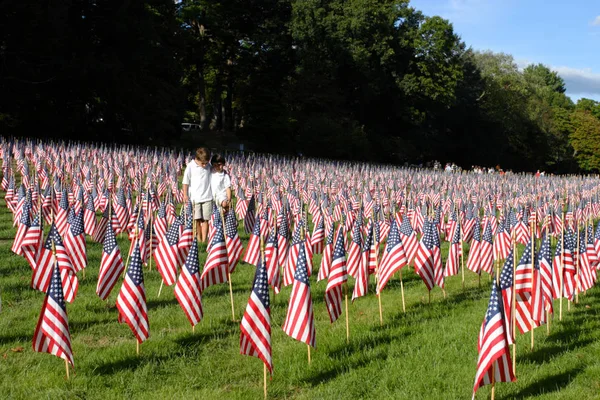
{"points": [[537, 174], [196, 187], [220, 183]]}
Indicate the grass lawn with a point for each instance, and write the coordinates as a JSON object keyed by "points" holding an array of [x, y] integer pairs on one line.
{"points": [[429, 352]]}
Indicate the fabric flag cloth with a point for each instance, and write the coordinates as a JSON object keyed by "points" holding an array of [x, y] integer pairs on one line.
{"points": [[454, 253], [474, 260], [506, 286], [337, 277], [111, 265], [255, 335], [52, 331], [32, 241], [299, 321], [428, 260], [545, 273], [327, 258], [187, 289], [409, 240], [131, 301], [270, 261], [166, 255], [493, 361], [368, 261], [216, 267], [253, 249], [232, 241], [355, 251], [523, 290], [394, 258], [75, 242]]}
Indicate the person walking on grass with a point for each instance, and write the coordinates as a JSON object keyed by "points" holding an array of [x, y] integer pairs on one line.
{"points": [[196, 187], [220, 183]]}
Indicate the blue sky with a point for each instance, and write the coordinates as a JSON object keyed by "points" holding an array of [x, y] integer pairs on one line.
{"points": [[564, 35]]}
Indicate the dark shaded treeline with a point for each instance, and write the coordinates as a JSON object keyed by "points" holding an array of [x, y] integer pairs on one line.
{"points": [[352, 79]]}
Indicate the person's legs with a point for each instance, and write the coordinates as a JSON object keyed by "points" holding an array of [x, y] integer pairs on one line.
{"points": [[204, 231], [198, 223]]}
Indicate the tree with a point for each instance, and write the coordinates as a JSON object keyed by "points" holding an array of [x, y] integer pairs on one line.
{"points": [[585, 140]]}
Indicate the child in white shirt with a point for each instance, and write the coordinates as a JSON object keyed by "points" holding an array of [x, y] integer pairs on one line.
{"points": [[220, 183]]}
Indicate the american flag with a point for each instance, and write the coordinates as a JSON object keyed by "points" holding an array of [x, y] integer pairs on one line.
{"points": [[249, 217], [454, 253], [283, 233], [100, 229], [327, 258], [393, 258], [545, 272], [337, 277], [318, 235], [89, 217], [185, 239], [523, 272], [292, 257], [121, 210], [253, 249], [494, 353], [61, 214], [299, 321], [111, 265], [131, 301], [270, 261], [160, 224], [428, 259], [187, 289], [557, 270], [367, 264], [569, 270], [485, 250], [409, 240], [216, 267], [75, 242], [474, 260], [232, 241], [584, 277], [32, 241], [355, 250], [255, 335], [501, 246], [52, 331], [24, 224]]}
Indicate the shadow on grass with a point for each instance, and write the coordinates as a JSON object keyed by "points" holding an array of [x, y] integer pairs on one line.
{"points": [[161, 302], [128, 364], [553, 383], [222, 289], [347, 360], [76, 326], [7, 339], [224, 329]]}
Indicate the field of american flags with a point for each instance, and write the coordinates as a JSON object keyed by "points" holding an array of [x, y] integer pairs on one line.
{"points": [[429, 352]]}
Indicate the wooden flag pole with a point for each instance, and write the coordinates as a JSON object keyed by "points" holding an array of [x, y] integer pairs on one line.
{"points": [[347, 322], [562, 266], [229, 273], [532, 282], [67, 368], [265, 379], [513, 306], [160, 288], [378, 294], [137, 347], [577, 266]]}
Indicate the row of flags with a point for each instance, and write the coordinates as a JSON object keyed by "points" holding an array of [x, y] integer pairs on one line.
{"points": [[353, 208]]}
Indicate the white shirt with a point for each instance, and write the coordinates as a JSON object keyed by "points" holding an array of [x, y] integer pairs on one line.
{"points": [[198, 179], [219, 182]]}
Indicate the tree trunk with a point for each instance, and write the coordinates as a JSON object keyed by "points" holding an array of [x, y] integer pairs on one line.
{"points": [[228, 103], [216, 123], [201, 96]]}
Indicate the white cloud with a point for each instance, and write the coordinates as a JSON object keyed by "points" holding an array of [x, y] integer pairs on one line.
{"points": [[596, 21], [580, 82]]}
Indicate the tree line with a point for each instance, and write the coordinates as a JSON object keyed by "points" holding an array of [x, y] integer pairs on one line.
{"points": [[351, 79]]}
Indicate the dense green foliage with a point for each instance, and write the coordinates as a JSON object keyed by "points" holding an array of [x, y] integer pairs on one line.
{"points": [[358, 79]]}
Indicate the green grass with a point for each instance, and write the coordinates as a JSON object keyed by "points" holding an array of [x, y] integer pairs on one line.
{"points": [[428, 353]]}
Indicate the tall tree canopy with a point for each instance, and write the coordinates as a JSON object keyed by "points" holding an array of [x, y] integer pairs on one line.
{"points": [[353, 79]]}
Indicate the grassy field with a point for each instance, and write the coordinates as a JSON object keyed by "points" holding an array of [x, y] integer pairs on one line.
{"points": [[429, 352]]}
